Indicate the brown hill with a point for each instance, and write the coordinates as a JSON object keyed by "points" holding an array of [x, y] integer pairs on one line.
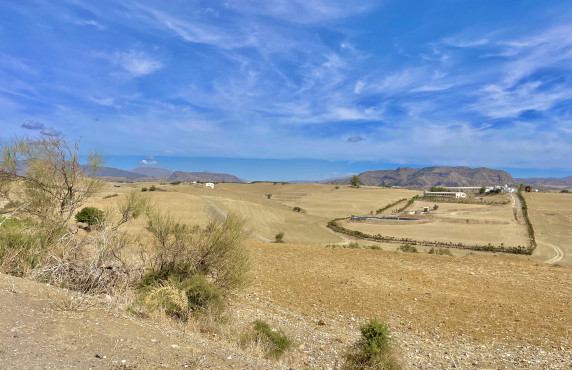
{"points": [[422, 178], [152, 171]]}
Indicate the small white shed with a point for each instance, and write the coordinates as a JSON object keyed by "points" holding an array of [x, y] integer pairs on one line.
{"points": [[210, 185]]}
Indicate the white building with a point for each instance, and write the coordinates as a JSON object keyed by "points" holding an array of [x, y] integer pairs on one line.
{"points": [[209, 185], [445, 194]]}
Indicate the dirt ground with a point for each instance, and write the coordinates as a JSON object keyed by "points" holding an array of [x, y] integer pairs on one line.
{"points": [[444, 312], [471, 310]]}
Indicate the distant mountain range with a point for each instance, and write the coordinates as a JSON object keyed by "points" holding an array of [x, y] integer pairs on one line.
{"points": [[416, 178], [422, 178], [547, 182], [152, 171], [162, 175]]}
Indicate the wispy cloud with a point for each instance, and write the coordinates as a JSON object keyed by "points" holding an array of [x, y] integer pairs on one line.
{"points": [[136, 63], [32, 125], [91, 23], [50, 132], [355, 139]]}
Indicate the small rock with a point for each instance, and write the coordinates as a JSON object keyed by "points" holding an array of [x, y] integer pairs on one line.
{"points": [[97, 355], [174, 346], [321, 323]]}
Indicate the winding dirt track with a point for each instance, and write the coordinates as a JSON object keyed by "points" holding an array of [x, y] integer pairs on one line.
{"points": [[559, 253], [216, 213]]}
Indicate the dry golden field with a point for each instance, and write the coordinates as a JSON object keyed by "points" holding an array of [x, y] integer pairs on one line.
{"points": [[551, 216], [452, 222]]}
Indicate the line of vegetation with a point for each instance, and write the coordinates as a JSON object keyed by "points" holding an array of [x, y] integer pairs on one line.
{"points": [[391, 205], [529, 226], [111, 196], [407, 205], [464, 201], [333, 224]]}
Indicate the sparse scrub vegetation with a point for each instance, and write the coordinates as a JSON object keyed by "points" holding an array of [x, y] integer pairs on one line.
{"points": [[202, 264], [440, 251], [407, 248], [297, 209], [144, 189], [275, 342], [374, 350], [111, 196], [279, 238]]}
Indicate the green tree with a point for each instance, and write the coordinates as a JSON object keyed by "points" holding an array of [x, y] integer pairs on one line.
{"points": [[355, 181]]}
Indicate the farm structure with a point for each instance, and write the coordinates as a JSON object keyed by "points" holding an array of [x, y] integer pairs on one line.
{"points": [[445, 194], [209, 185], [463, 189]]}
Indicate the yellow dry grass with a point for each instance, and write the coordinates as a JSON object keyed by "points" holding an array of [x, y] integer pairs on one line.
{"points": [[551, 217]]}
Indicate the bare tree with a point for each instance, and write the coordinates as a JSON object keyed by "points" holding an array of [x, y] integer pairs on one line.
{"points": [[45, 177]]}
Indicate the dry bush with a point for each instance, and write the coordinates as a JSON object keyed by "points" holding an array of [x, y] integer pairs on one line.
{"points": [[206, 264]]}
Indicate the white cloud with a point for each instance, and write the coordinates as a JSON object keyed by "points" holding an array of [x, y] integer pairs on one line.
{"points": [[137, 63], [359, 86], [90, 22]]}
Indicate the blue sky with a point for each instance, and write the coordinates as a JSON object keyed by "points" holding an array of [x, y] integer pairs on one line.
{"points": [[353, 83]]}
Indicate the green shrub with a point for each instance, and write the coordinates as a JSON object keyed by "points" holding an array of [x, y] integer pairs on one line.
{"points": [[268, 196], [275, 341], [178, 182], [152, 188], [91, 216], [22, 246], [407, 248], [440, 251], [353, 245], [437, 189], [279, 238], [297, 209], [144, 189], [111, 196], [374, 350], [565, 191]]}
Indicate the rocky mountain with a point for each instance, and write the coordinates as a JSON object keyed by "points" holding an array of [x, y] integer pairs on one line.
{"points": [[110, 172], [422, 178], [152, 171], [162, 175], [203, 176]]}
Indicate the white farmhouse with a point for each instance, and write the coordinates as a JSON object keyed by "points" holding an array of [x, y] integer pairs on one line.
{"points": [[209, 185]]}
